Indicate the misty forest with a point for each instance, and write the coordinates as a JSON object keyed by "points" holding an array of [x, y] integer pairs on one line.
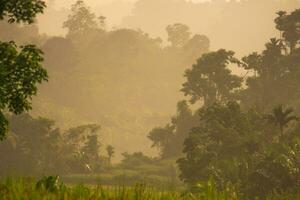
{"points": [[150, 100]]}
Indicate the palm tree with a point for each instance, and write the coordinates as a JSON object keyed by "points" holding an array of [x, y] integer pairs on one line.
{"points": [[282, 117], [110, 151]]}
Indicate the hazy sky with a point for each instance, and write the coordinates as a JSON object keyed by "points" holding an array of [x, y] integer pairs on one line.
{"points": [[223, 28], [115, 10], [67, 3]]}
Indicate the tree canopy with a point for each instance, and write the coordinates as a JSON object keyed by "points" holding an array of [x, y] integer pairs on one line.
{"points": [[242, 148], [240, 135], [81, 20], [289, 25], [20, 67], [210, 79], [21, 11]]}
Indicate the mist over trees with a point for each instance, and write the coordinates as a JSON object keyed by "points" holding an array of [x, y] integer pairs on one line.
{"points": [[113, 77], [36, 146], [216, 20], [111, 92], [226, 23], [244, 135]]}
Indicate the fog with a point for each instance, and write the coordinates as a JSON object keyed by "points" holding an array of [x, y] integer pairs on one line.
{"points": [[205, 17], [197, 97], [128, 107]]}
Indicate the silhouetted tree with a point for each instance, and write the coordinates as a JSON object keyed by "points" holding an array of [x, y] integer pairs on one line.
{"points": [[268, 86], [289, 25], [210, 79], [90, 151], [178, 34], [80, 20], [110, 150], [282, 117]]}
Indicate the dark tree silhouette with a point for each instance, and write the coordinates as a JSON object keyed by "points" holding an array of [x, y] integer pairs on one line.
{"points": [[110, 150], [210, 79], [289, 25], [178, 34], [282, 117]]}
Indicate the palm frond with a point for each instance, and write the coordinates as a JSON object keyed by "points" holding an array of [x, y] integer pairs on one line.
{"points": [[291, 118], [288, 111]]}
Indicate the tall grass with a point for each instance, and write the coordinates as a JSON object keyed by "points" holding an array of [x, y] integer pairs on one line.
{"points": [[50, 189]]}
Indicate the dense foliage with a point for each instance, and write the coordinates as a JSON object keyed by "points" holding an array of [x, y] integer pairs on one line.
{"points": [[20, 67], [21, 11], [37, 146], [243, 148], [210, 79], [169, 139], [242, 134]]}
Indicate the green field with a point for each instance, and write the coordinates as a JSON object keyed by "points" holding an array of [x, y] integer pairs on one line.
{"points": [[49, 188]]}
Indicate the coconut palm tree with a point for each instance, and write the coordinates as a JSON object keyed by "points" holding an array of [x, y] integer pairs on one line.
{"points": [[110, 152], [282, 117]]}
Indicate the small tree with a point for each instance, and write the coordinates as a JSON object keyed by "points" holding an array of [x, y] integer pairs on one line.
{"points": [[110, 150]]}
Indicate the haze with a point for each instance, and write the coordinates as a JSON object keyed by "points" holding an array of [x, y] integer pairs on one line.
{"points": [[197, 99], [243, 27]]}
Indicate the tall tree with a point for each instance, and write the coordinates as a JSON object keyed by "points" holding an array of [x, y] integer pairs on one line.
{"points": [[289, 25], [20, 67], [80, 20], [91, 149], [273, 81], [178, 34], [210, 79]]}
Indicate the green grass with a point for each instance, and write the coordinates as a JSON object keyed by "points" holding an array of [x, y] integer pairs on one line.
{"points": [[126, 179], [50, 189]]}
